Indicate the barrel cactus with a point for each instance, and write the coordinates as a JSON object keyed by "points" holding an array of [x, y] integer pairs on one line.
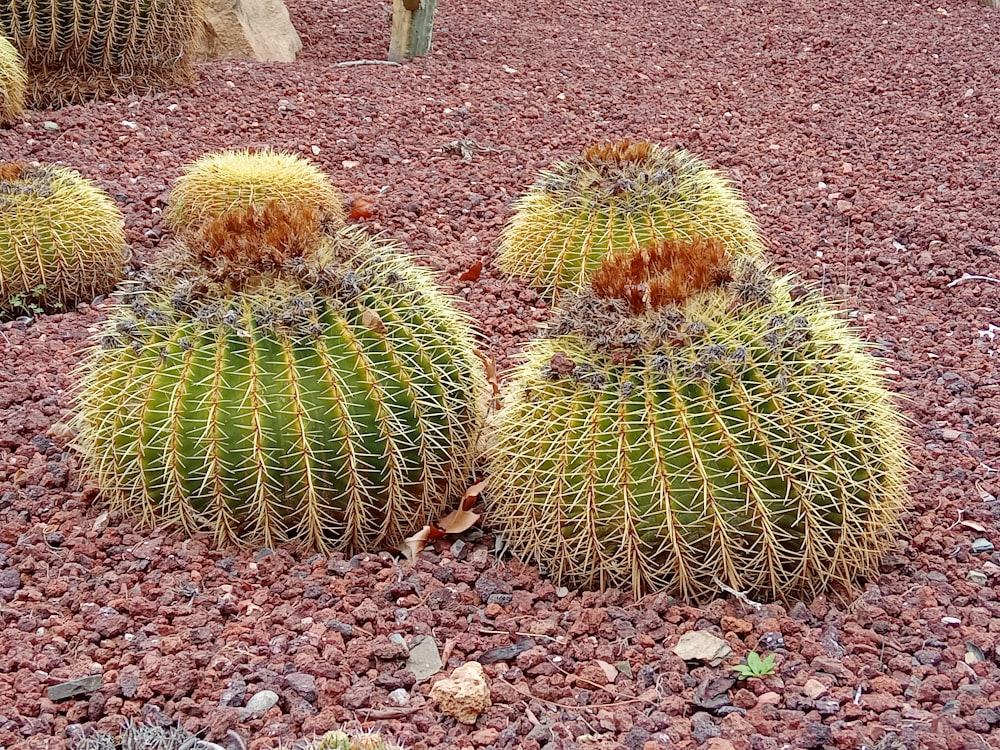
{"points": [[327, 393], [76, 51], [221, 182], [13, 80], [339, 740], [685, 432], [615, 198], [61, 238]]}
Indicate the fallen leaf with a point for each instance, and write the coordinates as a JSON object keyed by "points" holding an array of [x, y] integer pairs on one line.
{"points": [[361, 208], [610, 670], [449, 647], [371, 320], [473, 273], [490, 365], [459, 520], [974, 526]]}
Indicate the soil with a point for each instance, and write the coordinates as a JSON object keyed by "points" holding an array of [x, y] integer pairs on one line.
{"points": [[864, 138]]}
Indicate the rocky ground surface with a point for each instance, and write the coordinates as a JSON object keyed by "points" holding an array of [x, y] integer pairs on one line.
{"points": [[865, 140]]}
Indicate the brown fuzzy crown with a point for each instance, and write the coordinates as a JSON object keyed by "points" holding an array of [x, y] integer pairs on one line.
{"points": [[620, 152], [662, 273], [241, 246]]}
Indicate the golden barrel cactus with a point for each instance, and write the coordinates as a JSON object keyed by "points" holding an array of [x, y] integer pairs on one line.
{"points": [[13, 81], [284, 385], [62, 238], [691, 424], [222, 182], [616, 198], [76, 50]]}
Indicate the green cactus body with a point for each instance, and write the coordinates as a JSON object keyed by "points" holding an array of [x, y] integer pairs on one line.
{"points": [[13, 82], [744, 443], [76, 50], [615, 199], [61, 238], [221, 182], [344, 419]]}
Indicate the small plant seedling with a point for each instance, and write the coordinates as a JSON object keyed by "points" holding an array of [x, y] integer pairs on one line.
{"points": [[755, 666]]}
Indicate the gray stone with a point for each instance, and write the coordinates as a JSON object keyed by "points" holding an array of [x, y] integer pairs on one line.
{"points": [[399, 697], [981, 545], [259, 704], [424, 660], [79, 686], [303, 684], [235, 693]]}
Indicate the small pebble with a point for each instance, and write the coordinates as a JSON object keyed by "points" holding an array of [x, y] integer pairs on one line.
{"points": [[982, 545]]}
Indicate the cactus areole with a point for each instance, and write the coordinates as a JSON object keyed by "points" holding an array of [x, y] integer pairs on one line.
{"points": [[721, 430], [329, 397]]}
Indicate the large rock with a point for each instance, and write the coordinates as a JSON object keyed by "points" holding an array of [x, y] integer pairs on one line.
{"points": [[255, 29]]}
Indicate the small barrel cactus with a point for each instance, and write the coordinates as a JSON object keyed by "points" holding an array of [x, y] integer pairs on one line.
{"points": [[616, 198], [691, 426], [13, 81], [61, 238], [316, 388], [75, 51], [222, 182], [339, 740]]}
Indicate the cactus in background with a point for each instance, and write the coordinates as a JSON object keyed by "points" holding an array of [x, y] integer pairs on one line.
{"points": [[219, 183], [76, 50], [691, 424], [616, 198], [13, 80], [320, 388], [338, 740], [61, 238]]}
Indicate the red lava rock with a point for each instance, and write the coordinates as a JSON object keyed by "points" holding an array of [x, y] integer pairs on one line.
{"points": [[880, 194]]}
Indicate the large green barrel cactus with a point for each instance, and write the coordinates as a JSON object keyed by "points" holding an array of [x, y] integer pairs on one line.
{"points": [[13, 80], [332, 397], [61, 238], [222, 182], [77, 50], [615, 198], [738, 436]]}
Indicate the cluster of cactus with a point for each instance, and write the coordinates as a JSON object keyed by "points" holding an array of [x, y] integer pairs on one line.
{"points": [[693, 422], [77, 50], [611, 199], [61, 238], [13, 82], [280, 379]]}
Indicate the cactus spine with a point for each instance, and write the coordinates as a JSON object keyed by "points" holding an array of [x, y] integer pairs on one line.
{"points": [[13, 81], [333, 398], [735, 436], [61, 238], [222, 182], [617, 198], [77, 50]]}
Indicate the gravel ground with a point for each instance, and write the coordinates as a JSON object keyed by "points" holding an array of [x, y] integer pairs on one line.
{"points": [[865, 140]]}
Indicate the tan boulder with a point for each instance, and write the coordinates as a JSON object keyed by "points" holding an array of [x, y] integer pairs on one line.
{"points": [[253, 29], [465, 694]]}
